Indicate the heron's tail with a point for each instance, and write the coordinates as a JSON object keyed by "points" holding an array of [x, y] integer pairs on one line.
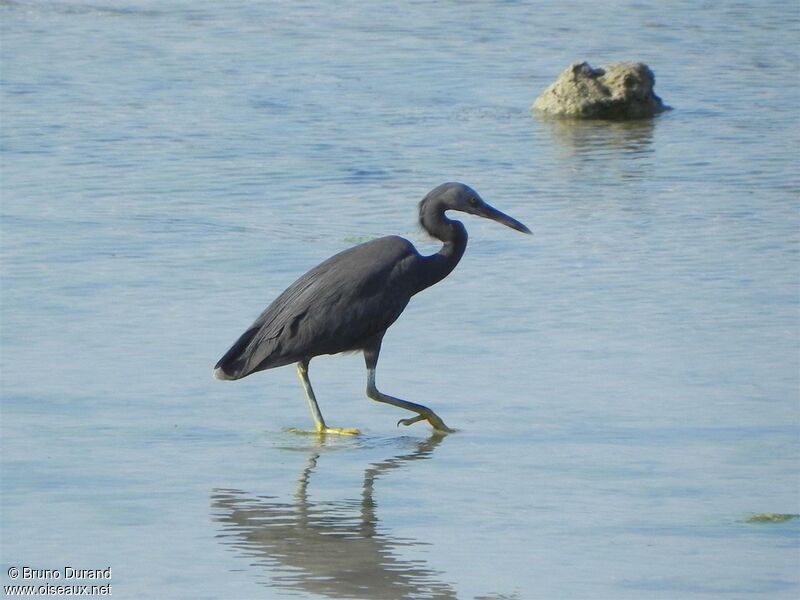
{"points": [[219, 373], [234, 364]]}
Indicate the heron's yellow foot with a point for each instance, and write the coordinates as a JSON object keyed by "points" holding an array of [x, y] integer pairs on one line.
{"points": [[432, 418], [339, 431], [326, 431], [410, 421]]}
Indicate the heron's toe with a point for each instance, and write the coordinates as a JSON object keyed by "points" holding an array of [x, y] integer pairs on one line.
{"points": [[326, 431], [432, 418], [410, 421], [340, 431]]}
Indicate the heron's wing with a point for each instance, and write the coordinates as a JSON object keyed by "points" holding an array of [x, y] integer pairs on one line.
{"points": [[335, 307]]}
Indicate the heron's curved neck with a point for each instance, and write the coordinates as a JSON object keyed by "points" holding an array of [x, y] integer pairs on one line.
{"points": [[454, 235]]}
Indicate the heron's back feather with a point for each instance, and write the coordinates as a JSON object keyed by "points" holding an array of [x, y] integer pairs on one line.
{"points": [[337, 306]]}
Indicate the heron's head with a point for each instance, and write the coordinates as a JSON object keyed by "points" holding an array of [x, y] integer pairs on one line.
{"points": [[457, 196]]}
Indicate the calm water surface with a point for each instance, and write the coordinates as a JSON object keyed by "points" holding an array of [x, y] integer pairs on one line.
{"points": [[626, 382]]}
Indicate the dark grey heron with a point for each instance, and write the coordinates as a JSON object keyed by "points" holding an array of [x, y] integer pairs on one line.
{"points": [[349, 301]]}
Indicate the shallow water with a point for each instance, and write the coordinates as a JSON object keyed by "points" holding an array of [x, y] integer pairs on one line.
{"points": [[625, 382]]}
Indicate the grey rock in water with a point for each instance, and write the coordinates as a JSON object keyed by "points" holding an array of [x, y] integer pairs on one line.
{"points": [[616, 91]]}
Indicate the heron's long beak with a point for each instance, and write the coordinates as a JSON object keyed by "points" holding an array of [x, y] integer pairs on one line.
{"points": [[495, 215]]}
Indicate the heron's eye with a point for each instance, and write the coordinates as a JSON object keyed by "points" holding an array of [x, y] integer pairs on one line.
{"points": [[474, 201]]}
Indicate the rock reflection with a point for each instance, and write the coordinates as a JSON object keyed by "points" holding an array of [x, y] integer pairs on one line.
{"points": [[588, 136], [334, 549]]}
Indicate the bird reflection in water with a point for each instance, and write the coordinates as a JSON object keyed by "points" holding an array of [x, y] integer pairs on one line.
{"points": [[334, 549]]}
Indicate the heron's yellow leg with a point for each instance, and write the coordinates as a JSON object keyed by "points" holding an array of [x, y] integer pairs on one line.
{"points": [[320, 428], [423, 412]]}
